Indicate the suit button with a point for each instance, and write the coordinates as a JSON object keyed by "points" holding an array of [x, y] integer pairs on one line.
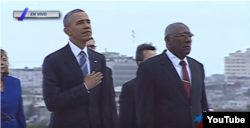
{"points": [[190, 107]]}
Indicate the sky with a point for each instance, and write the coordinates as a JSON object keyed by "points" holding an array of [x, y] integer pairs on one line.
{"points": [[219, 28]]}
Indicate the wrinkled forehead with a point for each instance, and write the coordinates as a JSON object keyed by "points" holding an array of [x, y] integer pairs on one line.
{"points": [[79, 16]]}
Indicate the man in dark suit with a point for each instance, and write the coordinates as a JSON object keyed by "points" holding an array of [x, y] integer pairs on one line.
{"points": [[127, 113], [171, 90], [114, 115], [75, 87]]}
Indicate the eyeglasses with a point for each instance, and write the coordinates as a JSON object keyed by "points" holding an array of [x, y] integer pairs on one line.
{"points": [[182, 35]]}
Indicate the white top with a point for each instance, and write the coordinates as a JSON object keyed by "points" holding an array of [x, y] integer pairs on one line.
{"points": [[176, 62], [76, 51]]}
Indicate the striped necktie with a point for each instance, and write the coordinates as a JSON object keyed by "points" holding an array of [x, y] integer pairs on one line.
{"points": [[83, 63]]}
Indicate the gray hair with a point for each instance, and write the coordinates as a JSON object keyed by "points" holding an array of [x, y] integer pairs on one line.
{"points": [[170, 27], [67, 17]]}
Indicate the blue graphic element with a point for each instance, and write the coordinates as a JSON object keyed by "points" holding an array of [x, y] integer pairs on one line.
{"points": [[198, 118], [23, 14]]}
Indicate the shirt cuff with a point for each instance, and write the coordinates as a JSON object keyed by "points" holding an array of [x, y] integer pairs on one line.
{"points": [[86, 88]]}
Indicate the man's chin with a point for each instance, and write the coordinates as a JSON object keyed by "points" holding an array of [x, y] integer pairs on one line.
{"points": [[87, 38], [187, 52]]}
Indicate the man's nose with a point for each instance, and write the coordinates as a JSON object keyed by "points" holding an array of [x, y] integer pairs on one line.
{"points": [[188, 39], [86, 25]]}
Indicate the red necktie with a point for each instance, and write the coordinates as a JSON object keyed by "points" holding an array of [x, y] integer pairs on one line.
{"points": [[185, 81]]}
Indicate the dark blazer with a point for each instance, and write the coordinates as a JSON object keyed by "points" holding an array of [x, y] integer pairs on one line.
{"points": [[162, 101], [12, 104], [114, 115], [127, 113], [66, 96]]}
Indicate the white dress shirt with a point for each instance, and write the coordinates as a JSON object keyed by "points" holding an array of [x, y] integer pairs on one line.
{"points": [[76, 51], [176, 62]]}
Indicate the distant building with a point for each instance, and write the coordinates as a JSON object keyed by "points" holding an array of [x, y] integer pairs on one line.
{"points": [[215, 79], [29, 77], [117, 95], [123, 72], [123, 67], [237, 66]]}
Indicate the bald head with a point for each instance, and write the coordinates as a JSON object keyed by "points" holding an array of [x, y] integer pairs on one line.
{"points": [[172, 27]]}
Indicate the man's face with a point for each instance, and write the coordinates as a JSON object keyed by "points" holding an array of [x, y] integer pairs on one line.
{"points": [[79, 27], [91, 44], [148, 54], [180, 40]]}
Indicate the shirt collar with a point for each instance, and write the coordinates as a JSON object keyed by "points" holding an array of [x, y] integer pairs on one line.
{"points": [[175, 60], [76, 50]]}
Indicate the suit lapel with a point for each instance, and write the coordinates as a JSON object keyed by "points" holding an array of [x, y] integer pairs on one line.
{"points": [[170, 70], [193, 72], [72, 62], [93, 60]]}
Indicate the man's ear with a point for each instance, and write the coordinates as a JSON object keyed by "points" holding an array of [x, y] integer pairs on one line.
{"points": [[67, 31], [167, 40]]}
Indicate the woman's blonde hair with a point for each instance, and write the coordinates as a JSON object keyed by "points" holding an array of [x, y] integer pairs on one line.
{"points": [[4, 54]]}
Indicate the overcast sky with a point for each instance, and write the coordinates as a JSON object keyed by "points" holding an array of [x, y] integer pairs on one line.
{"points": [[219, 28]]}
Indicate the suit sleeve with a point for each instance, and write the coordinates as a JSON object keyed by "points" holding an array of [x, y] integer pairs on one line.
{"points": [[111, 84], [127, 106], [106, 107], [55, 99], [20, 112], [113, 102], [145, 97], [204, 96]]}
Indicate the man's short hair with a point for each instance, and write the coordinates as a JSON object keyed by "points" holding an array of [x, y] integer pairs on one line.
{"points": [[170, 27], [141, 48], [67, 17]]}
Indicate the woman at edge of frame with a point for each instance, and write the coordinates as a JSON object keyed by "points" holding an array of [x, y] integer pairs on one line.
{"points": [[12, 113]]}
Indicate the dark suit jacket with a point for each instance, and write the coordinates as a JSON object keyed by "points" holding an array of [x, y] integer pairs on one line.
{"points": [[66, 96], [12, 103], [162, 101], [127, 113], [114, 115]]}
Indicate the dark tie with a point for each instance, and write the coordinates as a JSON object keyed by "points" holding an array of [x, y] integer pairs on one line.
{"points": [[185, 80], [83, 63]]}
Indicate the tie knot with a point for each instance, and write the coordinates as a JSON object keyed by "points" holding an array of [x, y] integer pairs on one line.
{"points": [[183, 63], [82, 53]]}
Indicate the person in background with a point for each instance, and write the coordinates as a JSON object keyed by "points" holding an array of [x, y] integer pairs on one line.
{"points": [[75, 87], [127, 112], [12, 115], [170, 87], [91, 45]]}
